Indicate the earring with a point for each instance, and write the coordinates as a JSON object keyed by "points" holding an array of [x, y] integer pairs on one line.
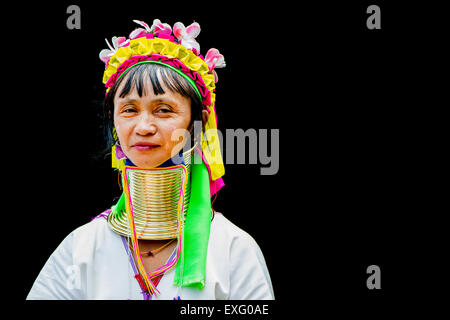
{"points": [[120, 155]]}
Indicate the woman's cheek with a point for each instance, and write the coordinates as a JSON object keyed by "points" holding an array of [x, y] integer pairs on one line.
{"points": [[172, 132], [169, 133], [123, 135]]}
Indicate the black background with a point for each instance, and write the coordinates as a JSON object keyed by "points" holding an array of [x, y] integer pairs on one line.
{"points": [[352, 106]]}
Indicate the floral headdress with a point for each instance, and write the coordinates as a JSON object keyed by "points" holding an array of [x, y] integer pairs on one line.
{"points": [[177, 49]]}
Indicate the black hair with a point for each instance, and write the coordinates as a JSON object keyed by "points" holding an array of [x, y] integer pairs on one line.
{"points": [[138, 76]]}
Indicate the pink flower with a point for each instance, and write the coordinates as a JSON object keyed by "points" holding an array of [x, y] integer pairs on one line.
{"points": [[117, 42], [159, 27], [140, 31], [187, 36], [215, 59]]}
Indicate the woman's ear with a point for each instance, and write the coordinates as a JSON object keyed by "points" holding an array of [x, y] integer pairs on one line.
{"points": [[205, 116]]}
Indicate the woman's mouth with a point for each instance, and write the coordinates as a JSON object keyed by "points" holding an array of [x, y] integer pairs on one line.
{"points": [[145, 146]]}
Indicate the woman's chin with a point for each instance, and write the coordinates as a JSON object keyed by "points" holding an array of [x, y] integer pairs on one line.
{"points": [[146, 164]]}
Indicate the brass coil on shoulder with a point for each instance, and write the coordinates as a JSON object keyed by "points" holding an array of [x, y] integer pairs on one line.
{"points": [[154, 196]]}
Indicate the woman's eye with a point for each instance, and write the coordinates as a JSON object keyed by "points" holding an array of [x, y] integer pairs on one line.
{"points": [[129, 110], [164, 109]]}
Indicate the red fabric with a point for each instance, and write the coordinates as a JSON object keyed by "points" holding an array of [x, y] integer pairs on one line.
{"points": [[142, 284]]}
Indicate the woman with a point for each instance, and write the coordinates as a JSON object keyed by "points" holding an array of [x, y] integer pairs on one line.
{"points": [[161, 240]]}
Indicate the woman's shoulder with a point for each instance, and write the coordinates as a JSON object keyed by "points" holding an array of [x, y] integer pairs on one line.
{"points": [[94, 231], [223, 229], [222, 224], [97, 224]]}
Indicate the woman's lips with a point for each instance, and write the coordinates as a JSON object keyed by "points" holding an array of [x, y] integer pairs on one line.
{"points": [[145, 147]]}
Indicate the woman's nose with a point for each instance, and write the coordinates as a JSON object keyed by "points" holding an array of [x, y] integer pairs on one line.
{"points": [[146, 125]]}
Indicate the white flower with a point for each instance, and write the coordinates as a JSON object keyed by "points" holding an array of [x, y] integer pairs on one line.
{"points": [[187, 36], [117, 42]]}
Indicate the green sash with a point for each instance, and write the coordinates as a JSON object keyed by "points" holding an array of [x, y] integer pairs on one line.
{"points": [[191, 268]]}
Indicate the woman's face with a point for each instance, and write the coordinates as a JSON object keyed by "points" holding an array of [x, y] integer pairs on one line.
{"points": [[144, 125]]}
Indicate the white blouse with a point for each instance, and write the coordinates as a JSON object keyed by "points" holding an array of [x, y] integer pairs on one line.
{"points": [[92, 263]]}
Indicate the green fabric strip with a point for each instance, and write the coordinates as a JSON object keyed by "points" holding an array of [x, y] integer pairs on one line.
{"points": [[191, 268], [119, 208], [169, 66]]}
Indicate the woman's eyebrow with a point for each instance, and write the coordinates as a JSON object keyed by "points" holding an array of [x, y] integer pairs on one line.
{"points": [[127, 100], [159, 99], [164, 99]]}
